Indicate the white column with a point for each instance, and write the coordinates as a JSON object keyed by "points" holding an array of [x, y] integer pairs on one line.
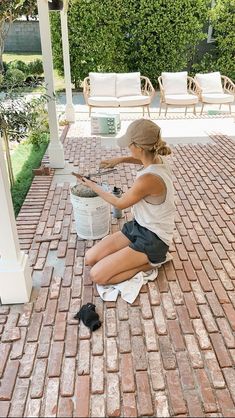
{"points": [[69, 109], [15, 277], [55, 149]]}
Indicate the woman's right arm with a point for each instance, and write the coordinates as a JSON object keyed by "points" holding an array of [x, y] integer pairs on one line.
{"points": [[119, 160]]}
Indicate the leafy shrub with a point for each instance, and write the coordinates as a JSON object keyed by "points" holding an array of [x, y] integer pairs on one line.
{"points": [[5, 66], [18, 65], [38, 116], [36, 138], [14, 76], [35, 67], [18, 116], [16, 72]]}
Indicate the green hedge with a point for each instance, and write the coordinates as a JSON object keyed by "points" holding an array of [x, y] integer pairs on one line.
{"points": [[130, 35], [95, 36], [167, 34], [223, 22]]}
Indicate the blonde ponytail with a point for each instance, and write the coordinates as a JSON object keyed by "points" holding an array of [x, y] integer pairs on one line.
{"points": [[160, 148], [163, 149]]}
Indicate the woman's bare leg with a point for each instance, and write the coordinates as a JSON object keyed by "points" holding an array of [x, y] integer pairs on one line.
{"points": [[106, 246], [125, 275], [119, 266]]}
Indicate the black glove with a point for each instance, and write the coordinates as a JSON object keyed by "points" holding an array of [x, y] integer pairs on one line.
{"points": [[88, 316]]}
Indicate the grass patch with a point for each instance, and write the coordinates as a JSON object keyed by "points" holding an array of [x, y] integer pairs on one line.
{"points": [[25, 158], [31, 56], [24, 56]]}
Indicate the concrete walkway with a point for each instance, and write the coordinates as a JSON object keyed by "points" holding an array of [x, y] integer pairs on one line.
{"points": [[172, 352]]}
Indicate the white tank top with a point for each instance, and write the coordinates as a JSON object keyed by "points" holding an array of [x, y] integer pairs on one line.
{"points": [[158, 218]]}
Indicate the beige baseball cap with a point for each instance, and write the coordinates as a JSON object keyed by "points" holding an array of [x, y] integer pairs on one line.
{"points": [[141, 132]]}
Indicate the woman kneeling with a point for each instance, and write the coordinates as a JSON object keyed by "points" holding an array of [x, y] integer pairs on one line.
{"points": [[144, 241]]}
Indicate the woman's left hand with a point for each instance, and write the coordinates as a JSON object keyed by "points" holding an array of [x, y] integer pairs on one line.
{"points": [[87, 182], [84, 180]]}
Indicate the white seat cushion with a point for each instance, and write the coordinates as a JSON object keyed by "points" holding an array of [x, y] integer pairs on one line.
{"points": [[103, 101], [217, 98], [127, 101], [210, 83], [102, 84], [175, 83], [181, 99], [128, 84]]}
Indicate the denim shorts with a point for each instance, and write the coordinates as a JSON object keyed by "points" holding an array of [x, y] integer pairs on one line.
{"points": [[145, 241]]}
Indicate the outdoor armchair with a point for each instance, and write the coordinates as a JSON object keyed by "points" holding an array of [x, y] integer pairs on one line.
{"points": [[117, 90], [214, 88], [178, 90]]}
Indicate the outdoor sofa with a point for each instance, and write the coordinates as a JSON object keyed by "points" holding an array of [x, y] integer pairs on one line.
{"points": [[117, 90]]}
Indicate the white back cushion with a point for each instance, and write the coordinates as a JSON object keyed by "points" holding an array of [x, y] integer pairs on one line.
{"points": [[175, 83], [128, 84], [210, 82], [103, 84]]}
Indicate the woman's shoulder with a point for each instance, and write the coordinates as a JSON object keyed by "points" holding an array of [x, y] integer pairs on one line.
{"points": [[151, 182]]}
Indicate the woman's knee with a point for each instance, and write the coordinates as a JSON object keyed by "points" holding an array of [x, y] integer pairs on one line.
{"points": [[97, 276], [90, 258]]}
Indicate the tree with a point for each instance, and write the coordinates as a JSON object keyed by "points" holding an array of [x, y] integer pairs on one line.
{"points": [[10, 11]]}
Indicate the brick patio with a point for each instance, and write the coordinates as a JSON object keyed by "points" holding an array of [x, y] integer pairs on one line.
{"points": [[172, 352]]}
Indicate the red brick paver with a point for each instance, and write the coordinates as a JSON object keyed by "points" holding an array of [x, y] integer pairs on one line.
{"points": [[173, 351]]}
